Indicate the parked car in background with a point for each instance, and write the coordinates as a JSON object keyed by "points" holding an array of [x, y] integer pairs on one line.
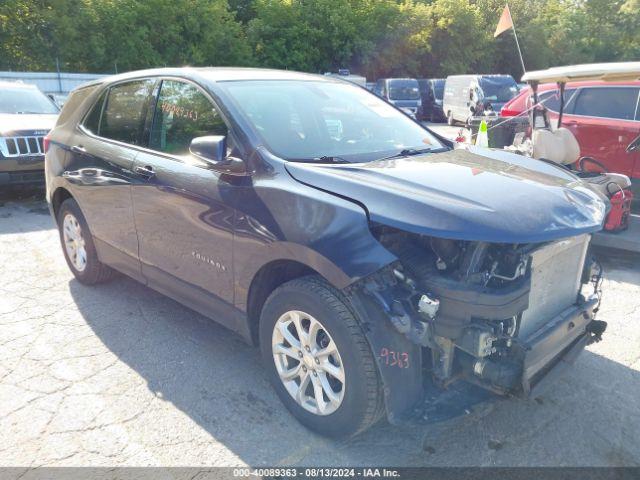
{"points": [[432, 93], [26, 116], [603, 116], [468, 95], [404, 93], [378, 268], [345, 74]]}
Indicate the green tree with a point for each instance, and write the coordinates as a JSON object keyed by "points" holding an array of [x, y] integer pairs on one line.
{"points": [[372, 37], [317, 35], [102, 35]]}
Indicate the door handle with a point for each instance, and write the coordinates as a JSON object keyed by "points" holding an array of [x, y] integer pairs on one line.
{"points": [[146, 171], [78, 149]]}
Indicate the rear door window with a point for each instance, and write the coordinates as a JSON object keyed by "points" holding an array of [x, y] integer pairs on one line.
{"points": [[124, 113], [613, 102], [183, 113], [551, 99]]}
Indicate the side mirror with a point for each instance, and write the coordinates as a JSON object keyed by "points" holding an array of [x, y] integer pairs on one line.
{"points": [[634, 146], [213, 150]]}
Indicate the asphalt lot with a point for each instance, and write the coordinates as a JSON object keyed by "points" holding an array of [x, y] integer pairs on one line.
{"points": [[120, 375]]}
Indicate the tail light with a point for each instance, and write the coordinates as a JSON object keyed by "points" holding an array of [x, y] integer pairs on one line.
{"points": [[45, 143], [507, 112]]}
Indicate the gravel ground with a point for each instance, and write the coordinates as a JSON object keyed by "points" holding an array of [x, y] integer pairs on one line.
{"points": [[120, 375]]}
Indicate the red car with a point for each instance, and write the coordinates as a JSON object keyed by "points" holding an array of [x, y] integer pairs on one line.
{"points": [[604, 117]]}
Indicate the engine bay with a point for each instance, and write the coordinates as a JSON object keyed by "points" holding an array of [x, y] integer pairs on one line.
{"points": [[481, 311]]}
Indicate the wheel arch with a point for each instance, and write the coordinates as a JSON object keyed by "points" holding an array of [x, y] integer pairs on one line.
{"points": [[268, 278], [59, 195]]}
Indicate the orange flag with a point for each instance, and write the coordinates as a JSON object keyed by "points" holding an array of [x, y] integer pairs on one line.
{"points": [[505, 22]]}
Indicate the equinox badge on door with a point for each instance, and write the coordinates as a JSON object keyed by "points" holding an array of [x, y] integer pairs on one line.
{"points": [[210, 261]]}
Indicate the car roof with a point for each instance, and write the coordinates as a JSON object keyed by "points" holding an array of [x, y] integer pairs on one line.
{"points": [[585, 83], [615, 71], [217, 74]]}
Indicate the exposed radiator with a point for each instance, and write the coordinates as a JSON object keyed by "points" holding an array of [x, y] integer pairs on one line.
{"points": [[555, 281]]}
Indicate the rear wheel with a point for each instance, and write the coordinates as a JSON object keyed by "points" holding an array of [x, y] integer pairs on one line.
{"points": [[78, 246], [319, 361]]}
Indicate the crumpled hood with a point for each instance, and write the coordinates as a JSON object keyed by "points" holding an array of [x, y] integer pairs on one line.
{"points": [[26, 123], [467, 194]]}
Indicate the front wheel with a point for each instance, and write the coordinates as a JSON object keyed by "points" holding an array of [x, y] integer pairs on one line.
{"points": [[319, 361]]}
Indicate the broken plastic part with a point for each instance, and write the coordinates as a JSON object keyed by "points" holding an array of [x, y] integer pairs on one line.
{"points": [[428, 306]]}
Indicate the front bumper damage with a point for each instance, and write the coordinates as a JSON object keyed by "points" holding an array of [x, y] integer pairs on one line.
{"points": [[558, 342], [445, 347]]}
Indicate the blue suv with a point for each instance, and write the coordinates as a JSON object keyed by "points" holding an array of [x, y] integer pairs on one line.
{"points": [[380, 270]]}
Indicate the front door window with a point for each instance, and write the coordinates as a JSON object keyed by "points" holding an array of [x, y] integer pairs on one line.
{"points": [[183, 113]]}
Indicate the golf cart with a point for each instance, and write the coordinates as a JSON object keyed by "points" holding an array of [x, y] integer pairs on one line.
{"points": [[556, 144]]}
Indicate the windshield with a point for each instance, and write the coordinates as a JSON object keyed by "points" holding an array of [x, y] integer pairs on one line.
{"points": [[404, 90], [306, 120], [438, 89], [25, 100], [498, 89]]}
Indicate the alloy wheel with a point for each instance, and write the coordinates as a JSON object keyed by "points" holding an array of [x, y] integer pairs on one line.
{"points": [[308, 362], [74, 243]]}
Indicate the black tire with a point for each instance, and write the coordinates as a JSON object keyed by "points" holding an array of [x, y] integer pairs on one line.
{"points": [[363, 403], [95, 271]]}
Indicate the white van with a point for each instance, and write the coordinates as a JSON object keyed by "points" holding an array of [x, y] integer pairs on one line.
{"points": [[464, 94]]}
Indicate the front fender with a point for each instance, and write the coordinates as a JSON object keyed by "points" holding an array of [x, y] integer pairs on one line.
{"points": [[281, 219]]}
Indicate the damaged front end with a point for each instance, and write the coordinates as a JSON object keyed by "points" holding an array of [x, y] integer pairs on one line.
{"points": [[453, 322]]}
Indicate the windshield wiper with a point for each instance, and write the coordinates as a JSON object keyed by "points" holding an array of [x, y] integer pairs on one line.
{"points": [[325, 159], [409, 152]]}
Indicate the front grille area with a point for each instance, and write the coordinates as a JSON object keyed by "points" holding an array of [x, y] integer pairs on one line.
{"points": [[21, 146], [555, 281]]}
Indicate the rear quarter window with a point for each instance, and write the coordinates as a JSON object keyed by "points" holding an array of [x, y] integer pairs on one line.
{"points": [[92, 121], [73, 102]]}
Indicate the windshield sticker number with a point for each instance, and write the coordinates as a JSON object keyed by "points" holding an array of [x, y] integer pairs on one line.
{"points": [[179, 112]]}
